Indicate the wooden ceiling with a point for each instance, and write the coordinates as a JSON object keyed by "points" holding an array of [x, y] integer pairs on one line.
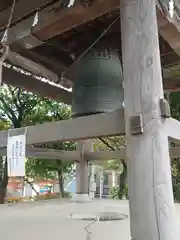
{"points": [[63, 34]]}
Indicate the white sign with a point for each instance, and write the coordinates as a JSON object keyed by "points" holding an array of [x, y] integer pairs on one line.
{"points": [[16, 146]]}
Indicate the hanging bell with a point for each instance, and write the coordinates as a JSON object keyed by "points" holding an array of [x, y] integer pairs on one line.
{"points": [[98, 83]]}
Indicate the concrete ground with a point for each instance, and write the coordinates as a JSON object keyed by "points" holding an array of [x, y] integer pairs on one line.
{"points": [[48, 220]]}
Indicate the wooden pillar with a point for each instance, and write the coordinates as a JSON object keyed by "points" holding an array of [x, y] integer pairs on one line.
{"points": [[150, 184], [113, 177], [101, 185], [92, 184], [82, 171]]}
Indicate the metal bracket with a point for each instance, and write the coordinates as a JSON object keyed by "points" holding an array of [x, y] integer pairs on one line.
{"points": [[136, 125], [165, 108]]}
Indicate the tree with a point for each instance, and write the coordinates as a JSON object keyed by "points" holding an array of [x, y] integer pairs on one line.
{"points": [[174, 100], [50, 169], [15, 105], [19, 108], [114, 144]]}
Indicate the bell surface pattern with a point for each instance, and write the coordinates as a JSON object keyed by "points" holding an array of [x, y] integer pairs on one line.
{"points": [[98, 83]]}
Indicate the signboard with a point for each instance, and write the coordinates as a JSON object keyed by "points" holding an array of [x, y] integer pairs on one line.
{"points": [[16, 155]]}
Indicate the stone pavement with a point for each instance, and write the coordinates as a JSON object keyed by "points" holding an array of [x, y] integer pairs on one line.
{"points": [[49, 220]]}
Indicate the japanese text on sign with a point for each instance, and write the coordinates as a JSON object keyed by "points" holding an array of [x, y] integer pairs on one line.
{"points": [[16, 155]]}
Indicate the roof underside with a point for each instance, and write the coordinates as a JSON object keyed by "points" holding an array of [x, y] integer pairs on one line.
{"points": [[63, 34]]}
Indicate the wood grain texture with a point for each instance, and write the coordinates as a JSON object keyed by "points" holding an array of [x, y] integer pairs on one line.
{"points": [[75, 155], [98, 125], [31, 66], [150, 185], [172, 128], [31, 84], [54, 20], [22, 8]]}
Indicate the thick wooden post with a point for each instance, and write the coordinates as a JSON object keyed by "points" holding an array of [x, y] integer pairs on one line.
{"points": [[82, 171], [150, 185]]}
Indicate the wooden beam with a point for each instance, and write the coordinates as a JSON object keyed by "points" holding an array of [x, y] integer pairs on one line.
{"points": [[53, 64], [31, 66], [52, 154], [82, 178], [31, 84], [171, 84], [121, 154], [36, 68], [169, 30], [55, 20], [174, 152], [106, 155], [75, 155], [47, 153], [172, 128], [150, 185], [23, 8], [98, 125]]}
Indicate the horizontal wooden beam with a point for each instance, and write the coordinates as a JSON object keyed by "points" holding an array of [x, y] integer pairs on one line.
{"points": [[106, 155], [24, 81], [31, 66], [121, 154], [34, 85], [50, 63], [169, 29], [171, 84], [52, 154], [98, 125], [49, 154], [93, 126], [23, 8], [54, 20], [172, 128]]}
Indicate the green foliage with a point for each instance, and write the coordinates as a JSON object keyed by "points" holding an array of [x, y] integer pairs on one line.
{"points": [[111, 144], [20, 108], [114, 192], [176, 178], [174, 99], [16, 105], [115, 143]]}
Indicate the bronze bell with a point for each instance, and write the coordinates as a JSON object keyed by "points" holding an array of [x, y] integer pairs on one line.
{"points": [[98, 83]]}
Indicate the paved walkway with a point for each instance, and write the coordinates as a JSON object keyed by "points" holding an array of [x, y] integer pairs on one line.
{"points": [[48, 221]]}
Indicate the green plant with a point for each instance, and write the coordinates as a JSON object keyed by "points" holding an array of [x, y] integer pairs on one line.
{"points": [[114, 192]]}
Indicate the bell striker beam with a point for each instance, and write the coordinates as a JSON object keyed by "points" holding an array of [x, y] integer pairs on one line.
{"points": [[150, 184]]}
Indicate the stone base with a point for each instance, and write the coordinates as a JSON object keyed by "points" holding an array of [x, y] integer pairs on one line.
{"points": [[81, 198]]}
